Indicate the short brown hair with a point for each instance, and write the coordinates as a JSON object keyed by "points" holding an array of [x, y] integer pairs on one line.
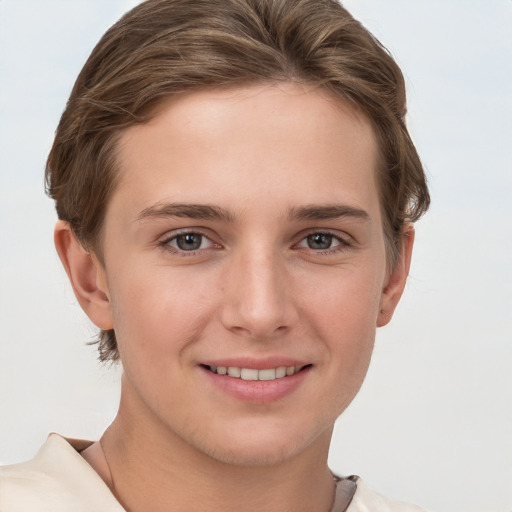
{"points": [[167, 47]]}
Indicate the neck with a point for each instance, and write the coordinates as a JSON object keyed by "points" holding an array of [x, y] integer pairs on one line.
{"points": [[153, 469]]}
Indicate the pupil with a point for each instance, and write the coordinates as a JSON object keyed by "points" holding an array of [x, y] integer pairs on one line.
{"points": [[319, 241], [189, 242]]}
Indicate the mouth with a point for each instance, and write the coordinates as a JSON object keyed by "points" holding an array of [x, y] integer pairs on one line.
{"points": [[253, 374], [254, 381]]}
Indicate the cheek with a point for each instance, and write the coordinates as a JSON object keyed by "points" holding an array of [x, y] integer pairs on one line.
{"points": [[343, 315], [158, 312], [344, 299]]}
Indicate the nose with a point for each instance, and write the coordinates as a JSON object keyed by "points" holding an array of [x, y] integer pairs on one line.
{"points": [[257, 296]]}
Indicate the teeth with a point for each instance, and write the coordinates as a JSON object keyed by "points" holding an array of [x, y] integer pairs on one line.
{"points": [[266, 375], [234, 372], [253, 374], [280, 372], [248, 374]]}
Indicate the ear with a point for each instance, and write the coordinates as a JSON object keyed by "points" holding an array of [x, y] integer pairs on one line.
{"points": [[86, 274], [397, 278]]}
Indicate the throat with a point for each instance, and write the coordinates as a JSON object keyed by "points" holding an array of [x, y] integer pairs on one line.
{"points": [[140, 487]]}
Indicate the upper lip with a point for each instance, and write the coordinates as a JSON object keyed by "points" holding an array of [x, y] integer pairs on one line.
{"points": [[255, 363]]}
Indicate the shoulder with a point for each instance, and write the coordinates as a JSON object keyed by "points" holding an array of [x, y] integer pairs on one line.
{"points": [[58, 479], [367, 500]]}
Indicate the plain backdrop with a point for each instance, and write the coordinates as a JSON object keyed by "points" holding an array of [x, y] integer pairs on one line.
{"points": [[433, 421]]}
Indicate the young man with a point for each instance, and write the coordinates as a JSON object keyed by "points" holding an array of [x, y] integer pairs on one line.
{"points": [[236, 189]]}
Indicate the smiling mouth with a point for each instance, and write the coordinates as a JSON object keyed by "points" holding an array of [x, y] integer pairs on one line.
{"points": [[266, 374]]}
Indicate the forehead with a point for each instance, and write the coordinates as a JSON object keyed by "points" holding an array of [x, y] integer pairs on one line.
{"points": [[281, 140]]}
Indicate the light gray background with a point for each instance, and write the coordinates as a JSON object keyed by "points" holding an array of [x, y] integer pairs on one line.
{"points": [[433, 422]]}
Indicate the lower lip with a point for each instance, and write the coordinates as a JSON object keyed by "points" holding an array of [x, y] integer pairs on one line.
{"points": [[257, 391]]}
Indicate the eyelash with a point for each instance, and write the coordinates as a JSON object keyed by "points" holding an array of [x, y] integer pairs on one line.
{"points": [[166, 243], [342, 245]]}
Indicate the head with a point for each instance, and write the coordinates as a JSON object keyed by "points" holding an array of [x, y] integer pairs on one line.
{"points": [[164, 49]]}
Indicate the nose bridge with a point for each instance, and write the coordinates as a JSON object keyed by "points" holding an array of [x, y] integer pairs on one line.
{"points": [[257, 300]]}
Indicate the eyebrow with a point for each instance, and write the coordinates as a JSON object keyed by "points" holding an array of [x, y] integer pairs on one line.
{"points": [[186, 210], [211, 212], [325, 212]]}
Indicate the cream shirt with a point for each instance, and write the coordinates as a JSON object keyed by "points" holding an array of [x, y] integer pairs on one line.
{"points": [[58, 479]]}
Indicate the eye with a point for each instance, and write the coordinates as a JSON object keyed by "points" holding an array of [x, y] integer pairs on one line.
{"points": [[189, 242], [321, 242]]}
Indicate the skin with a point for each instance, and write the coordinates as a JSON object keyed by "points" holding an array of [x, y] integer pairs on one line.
{"points": [[276, 160]]}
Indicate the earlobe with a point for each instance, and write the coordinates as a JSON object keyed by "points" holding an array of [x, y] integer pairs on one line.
{"points": [[397, 278], [86, 274]]}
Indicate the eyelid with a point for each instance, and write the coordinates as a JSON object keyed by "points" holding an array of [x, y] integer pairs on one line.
{"points": [[164, 240], [345, 240], [336, 233]]}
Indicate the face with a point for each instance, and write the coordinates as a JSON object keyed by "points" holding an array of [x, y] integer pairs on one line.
{"points": [[245, 237]]}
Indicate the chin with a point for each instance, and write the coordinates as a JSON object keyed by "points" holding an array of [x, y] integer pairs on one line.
{"points": [[259, 446], [248, 456]]}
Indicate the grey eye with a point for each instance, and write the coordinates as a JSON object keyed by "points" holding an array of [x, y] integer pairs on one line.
{"points": [[319, 241], [188, 241]]}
